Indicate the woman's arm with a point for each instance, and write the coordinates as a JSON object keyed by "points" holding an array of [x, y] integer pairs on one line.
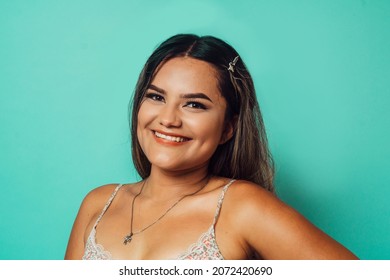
{"points": [[276, 231]]}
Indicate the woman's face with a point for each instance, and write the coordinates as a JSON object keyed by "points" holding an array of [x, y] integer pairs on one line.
{"points": [[181, 120]]}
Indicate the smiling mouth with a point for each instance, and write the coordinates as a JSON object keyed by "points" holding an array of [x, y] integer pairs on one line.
{"points": [[176, 139]]}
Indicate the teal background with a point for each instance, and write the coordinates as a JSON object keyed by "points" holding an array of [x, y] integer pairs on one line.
{"points": [[68, 69]]}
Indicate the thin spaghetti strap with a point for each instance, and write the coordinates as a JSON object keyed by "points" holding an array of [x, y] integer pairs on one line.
{"points": [[220, 200], [107, 204]]}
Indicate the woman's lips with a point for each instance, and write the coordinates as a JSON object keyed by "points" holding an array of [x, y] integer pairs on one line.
{"points": [[170, 137]]}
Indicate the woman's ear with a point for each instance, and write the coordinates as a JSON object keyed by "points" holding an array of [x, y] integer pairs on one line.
{"points": [[230, 127]]}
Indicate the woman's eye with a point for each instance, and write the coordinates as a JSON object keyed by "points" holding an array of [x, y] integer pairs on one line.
{"points": [[196, 105], [154, 96]]}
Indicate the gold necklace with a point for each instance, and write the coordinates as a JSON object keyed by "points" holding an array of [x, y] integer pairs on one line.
{"points": [[127, 239]]}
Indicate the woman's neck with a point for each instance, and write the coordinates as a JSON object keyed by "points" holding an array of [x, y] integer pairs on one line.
{"points": [[165, 185]]}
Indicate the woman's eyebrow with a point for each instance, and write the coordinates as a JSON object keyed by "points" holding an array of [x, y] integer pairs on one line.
{"points": [[184, 95], [196, 95], [160, 90]]}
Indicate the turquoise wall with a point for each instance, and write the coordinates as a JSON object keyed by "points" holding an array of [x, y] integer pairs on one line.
{"points": [[68, 69]]}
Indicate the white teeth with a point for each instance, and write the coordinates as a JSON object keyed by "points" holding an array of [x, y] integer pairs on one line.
{"points": [[169, 138]]}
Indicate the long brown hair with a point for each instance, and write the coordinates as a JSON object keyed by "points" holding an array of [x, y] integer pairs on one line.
{"points": [[246, 155]]}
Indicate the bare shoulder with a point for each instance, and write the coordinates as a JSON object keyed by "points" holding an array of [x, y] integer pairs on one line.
{"points": [[254, 196], [92, 204], [247, 202], [275, 230], [98, 197]]}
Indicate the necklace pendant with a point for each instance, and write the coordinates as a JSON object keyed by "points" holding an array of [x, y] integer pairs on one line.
{"points": [[127, 238]]}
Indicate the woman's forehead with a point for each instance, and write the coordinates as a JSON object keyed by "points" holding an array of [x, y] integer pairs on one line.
{"points": [[187, 73]]}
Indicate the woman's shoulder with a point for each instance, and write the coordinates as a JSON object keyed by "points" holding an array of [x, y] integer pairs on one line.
{"points": [[95, 199], [252, 193], [100, 193], [92, 205], [244, 197]]}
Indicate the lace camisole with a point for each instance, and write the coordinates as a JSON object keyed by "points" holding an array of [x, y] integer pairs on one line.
{"points": [[206, 248]]}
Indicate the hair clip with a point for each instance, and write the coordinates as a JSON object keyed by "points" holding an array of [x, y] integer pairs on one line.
{"points": [[232, 64]]}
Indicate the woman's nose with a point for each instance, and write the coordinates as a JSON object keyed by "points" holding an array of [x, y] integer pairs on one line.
{"points": [[170, 117]]}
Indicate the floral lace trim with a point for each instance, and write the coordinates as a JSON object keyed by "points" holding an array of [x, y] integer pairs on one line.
{"points": [[94, 251], [205, 249]]}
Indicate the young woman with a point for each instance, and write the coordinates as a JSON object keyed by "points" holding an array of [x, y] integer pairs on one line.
{"points": [[198, 142]]}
